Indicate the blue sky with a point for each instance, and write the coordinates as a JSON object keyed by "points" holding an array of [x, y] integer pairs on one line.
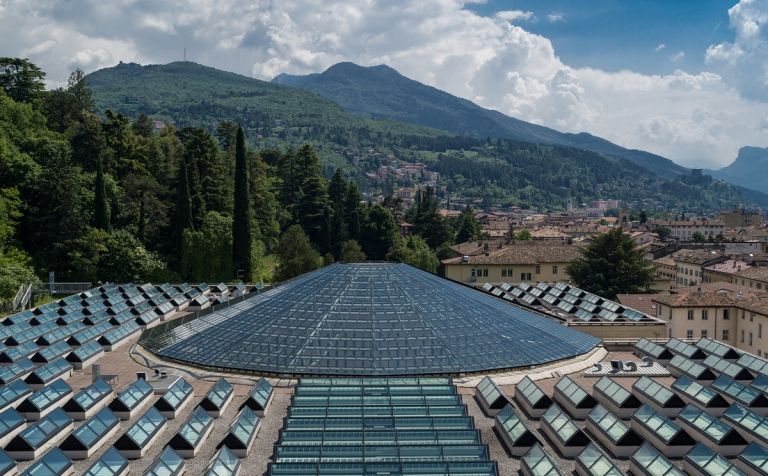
{"points": [[687, 80], [615, 35]]}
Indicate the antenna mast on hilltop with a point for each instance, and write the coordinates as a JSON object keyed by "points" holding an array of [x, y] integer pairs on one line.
{"points": [[185, 54]]}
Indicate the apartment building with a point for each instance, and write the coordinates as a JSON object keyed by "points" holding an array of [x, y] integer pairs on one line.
{"points": [[521, 262], [735, 315]]}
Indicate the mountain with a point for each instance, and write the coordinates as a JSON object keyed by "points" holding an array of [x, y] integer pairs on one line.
{"points": [[750, 169], [381, 92], [474, 170]]}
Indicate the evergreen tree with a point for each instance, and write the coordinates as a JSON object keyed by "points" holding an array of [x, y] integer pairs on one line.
{"points": [[469, 227], [313, 214], [427, 222], [379, 232], [21, 80], [351, 252], [101, 215], [183, 206], [337, 193], [241, 225], [414, 251], [612, 264], [295, 254], [352, 211]]}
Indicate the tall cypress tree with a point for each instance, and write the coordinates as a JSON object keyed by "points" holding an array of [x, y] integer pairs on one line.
{"points": [[183, 205], [241, 224], [101, 212]]}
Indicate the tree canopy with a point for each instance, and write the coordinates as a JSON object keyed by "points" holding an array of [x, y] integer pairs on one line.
{"points": [[611, 264]]}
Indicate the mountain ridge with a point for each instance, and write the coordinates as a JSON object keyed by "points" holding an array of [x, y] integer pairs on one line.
{"points": [[750, 168], [382, 92]]}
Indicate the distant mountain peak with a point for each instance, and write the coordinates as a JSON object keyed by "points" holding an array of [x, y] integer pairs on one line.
{"points": [[750, 169]]}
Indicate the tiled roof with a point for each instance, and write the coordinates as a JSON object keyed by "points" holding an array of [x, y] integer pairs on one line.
{"points": [[711, 294], [729, 267], [641, 302], [759, 274], [696, 256], [523, 254]]}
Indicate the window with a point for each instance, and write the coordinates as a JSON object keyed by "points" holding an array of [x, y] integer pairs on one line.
{"points": [[750, 338], [689, 334], [726, 314], [704, 315], [554, 269], [725, 334], [485, 272], [525, 276], [538, 269], [751, 317], [742, 336], [506, 272], [704, 333], [690, 314]]}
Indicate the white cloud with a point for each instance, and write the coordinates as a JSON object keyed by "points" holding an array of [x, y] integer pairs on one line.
{"points": [[513, 15], [660, 47], [744, 61], [697, 119], [556, 17], [679, 56]]}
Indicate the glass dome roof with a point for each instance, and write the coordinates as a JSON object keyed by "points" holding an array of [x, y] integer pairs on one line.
{"points": [[370, 319]]}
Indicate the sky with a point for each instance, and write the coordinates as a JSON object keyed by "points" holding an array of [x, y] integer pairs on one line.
{"points": [[686, 79]]}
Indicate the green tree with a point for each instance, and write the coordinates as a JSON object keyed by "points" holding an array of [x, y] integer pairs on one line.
{"points": [[206, 255], [351, 252], [314, 215], [15, 270], [21, 80], [663, 232], [352, 211], [295, 254], [379, 232], [469, 227], [612, 264], [101, 214], [126, 260], [698, 237], [65, 106], [264, 202], [416, 252], [523, 235], [337, 192], [643, 217], [427, 222], [88, 142], [241, 225], [183, 219]]}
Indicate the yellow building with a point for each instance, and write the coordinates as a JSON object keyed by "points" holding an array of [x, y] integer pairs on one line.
{"points": [[527, 262], [735, 315], [740, 218]]}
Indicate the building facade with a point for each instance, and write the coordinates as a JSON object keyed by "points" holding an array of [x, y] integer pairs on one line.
{"points": [[731, 314], [684, 230]]}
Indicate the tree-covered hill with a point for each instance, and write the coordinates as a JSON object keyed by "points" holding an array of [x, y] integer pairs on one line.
{"points": [[381, 92], [499, 171]]}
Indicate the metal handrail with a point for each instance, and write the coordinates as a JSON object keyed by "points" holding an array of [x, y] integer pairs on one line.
{"points": [[17, 298], [27, 296], [63, 287]]}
